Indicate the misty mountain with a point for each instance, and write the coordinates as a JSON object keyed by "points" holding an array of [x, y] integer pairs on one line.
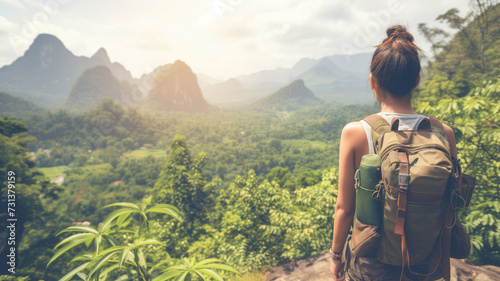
{"points": [[230, 92], [97, 83], [205, 80], [146, 81], [337, 78], [357, 63], [46, 72], [175, 88], [332, 83], [291, 97]]}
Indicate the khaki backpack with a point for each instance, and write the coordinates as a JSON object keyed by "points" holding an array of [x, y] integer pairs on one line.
{"points": [[415, 168]]}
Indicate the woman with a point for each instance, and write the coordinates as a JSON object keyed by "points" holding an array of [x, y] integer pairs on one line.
{"points": [[395, 73]]}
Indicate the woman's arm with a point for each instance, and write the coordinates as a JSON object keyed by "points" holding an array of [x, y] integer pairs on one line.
{"points": [[353, 145]]}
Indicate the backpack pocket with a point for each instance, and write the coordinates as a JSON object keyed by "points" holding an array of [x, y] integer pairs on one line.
{"points": [[365, 240]]}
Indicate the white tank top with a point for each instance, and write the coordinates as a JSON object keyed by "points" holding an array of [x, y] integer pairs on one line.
{"points": [[406, 122]]}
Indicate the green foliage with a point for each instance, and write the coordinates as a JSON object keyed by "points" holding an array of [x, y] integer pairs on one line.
{"points": [[21, 181], [9, 127], [282, 177], [121, 248], [258, 223], [13, 278], [289, 148], [474, 119], [188, 269], [305, 227]]}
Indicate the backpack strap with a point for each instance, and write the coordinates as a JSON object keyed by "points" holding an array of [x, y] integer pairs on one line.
{"points": [[403, 182], [379, 126]]}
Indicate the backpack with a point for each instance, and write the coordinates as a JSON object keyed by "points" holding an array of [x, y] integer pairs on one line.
{"points": [[415, 169]]}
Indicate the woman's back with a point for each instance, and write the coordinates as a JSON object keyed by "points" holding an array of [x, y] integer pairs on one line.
{"points": [[395, 72]]}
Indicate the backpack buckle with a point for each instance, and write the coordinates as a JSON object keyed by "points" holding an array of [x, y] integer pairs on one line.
{"points": [[403, 179]]}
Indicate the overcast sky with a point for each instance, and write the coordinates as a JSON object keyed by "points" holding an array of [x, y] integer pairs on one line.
{"points": [[221, 38]]}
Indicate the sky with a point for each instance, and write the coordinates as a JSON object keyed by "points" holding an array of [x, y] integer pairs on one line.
{"points": [[220, 38]]}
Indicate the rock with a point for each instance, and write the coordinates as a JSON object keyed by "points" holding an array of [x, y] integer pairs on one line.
{"points": [[317, 268], [463, 271]]}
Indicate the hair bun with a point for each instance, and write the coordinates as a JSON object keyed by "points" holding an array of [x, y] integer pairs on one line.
{"points": [[399, 31]]}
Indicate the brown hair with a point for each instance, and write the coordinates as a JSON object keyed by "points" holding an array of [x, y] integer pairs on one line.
{"points": [[395, 63]]}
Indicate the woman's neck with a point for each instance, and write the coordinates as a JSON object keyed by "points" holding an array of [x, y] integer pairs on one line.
{"points": [[397, 105]]}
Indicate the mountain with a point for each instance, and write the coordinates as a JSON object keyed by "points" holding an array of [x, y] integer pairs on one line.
{"points": [[357, 63], [95, 84], [230, 91], [291, 97], [175, 88], [17, 107], [46, 72], [338, 78], [301, 66], [205, 81], [332, 83], [119, 71]]}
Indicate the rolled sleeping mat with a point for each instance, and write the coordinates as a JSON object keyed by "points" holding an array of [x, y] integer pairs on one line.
{"points": [[368, 210]]}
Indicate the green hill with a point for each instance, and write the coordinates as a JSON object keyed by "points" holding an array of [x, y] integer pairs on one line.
{"points": [[291, 97], [17, 107], [95, 84]]}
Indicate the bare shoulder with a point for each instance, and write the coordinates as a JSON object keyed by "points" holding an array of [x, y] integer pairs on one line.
{"points": [[353, 129], [354, 132]]}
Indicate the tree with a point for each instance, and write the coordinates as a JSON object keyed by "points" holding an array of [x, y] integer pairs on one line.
{"points": [[468, 58], [22, 187], [181, 181], [481, 16], [482, 13], [283, 177], [433, 36]]}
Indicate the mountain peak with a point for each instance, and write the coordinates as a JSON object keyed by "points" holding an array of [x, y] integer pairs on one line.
{"points": [[297, 83], [291, 97], [296, 89], [179, 65], [102, 55], [44, 42], [45, 38]]}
